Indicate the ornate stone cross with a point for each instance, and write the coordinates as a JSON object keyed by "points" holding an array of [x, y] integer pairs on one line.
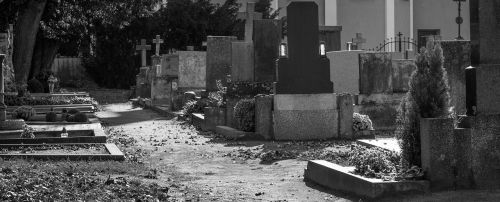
{"points": [[249, 16], [158, 42], [143, 47], [359, 41]]}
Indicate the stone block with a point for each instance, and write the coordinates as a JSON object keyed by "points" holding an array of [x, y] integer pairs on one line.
{"points": [[219, 50], [488, 30], [214, 117], [485, 151], [192, 70], [341, 178], [242, 68], [264, 116], [199, 120], [305, 116], [169, 65], [401, 73], [375, 73], [161, 91], [488, 88], [462, 151], [437, 152], [345, 104], [266, 38], [331, 36], [456, 59], [344, 71]]}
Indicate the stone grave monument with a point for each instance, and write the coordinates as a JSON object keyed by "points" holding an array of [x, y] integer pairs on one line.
{"points": [[143, 87], [219, 56], [305, 106]]}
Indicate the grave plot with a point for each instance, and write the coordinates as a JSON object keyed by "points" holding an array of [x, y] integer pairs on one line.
{"points": [[62, 151], [51, 134]]}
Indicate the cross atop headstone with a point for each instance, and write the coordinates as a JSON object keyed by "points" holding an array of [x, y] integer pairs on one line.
{"points": [[143, 47], [158, 42], [359, 41], [249, 16]]}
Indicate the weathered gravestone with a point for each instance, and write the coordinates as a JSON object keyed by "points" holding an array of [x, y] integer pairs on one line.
{"points": [[192, 70], [344, 71], [375, 73], [331, 36], [163, 76], [266, 41], [218, 60], [304, 103], [143, 47], [401, 73]]}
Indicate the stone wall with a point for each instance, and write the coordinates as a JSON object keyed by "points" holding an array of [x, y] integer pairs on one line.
{"points": [[192, 70], [456, 59]]}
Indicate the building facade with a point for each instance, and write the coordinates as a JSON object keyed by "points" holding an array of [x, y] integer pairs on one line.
{"points": [[377, 20]]}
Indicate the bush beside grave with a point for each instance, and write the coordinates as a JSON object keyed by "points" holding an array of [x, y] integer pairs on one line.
{"points": [[24, 112], [361, 122], [374, 162], [13, 100], [244, 112], [243, 89], [428, 97]]}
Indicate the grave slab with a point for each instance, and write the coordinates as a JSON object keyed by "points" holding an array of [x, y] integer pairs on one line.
{"points": [[112, 153], [344, 71], [266, 38], [218, 60], [242, 68], [375, 73], [340, 178]]}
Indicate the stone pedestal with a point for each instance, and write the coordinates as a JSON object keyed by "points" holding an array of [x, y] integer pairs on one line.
{"points": [[305, 116], [264, 116], [437, 152], [345, 104]]}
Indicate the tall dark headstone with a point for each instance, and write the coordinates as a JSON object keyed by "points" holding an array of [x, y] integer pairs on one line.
{"points": [[266, 40], [485, 37], [219, 49], [305, 106], [303, 71]]}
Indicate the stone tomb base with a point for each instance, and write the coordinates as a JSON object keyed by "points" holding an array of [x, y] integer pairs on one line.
{"points": [[305, 116]]}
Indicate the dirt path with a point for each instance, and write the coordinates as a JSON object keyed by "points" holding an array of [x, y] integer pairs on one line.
{"points": [[199, 166]]}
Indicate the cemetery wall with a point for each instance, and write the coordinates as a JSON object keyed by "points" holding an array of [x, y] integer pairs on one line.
{"points": [[192, 70]]}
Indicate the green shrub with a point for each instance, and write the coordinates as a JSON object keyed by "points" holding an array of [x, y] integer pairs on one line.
{"points": [[244, 89], [361, 122], [13, 100], [51, 116], [78, 117], [28, 132], [35, 86], [374, 162], [24, 112], [219, 96], [244, 112], [428, 97]]}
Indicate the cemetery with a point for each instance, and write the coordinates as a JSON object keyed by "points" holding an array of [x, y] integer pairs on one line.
{"points": [[249, 100]]}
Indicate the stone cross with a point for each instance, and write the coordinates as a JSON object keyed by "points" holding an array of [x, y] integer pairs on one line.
{"points": [[143, 47], [359, 41], [249, 16], [158, 42]]}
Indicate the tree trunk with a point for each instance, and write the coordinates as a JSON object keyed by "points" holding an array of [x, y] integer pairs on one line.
{"points": [[43, 55], [28, 22]]}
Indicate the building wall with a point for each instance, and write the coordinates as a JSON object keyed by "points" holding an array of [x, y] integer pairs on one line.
{"points": [[321, 8], [402, 19], [366, 17], [432, 14]]}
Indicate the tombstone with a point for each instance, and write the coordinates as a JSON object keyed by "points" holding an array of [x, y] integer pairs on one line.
{"points": [[192, 70], [242, 61], [344, 71], [163, 75], [218, 60], [375, 73], [358, 41], [331, 36], [158, 42], [304, 103], [401, 74], [266, 39], [143, 47]]}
